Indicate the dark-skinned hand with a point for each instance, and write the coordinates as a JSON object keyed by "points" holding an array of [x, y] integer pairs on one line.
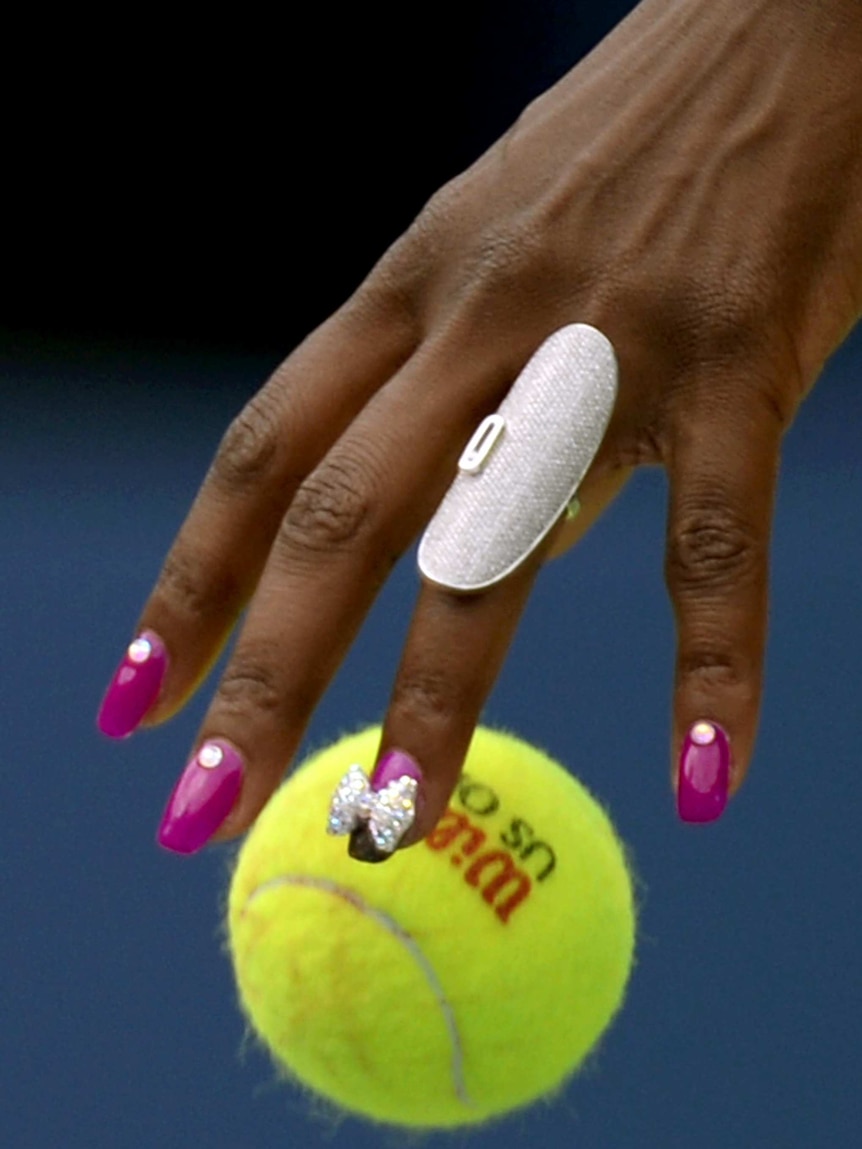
{"points": [[693, 189]]}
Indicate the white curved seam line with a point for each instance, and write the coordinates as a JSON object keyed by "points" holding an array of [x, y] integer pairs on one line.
{"points": [[392, 926]]}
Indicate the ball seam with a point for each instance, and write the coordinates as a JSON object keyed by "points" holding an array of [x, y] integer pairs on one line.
{"points": [[396, 931]]}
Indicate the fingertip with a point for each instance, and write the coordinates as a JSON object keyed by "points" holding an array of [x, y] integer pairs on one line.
{"points": [[203, 798], [135, 687], [703, 772]]}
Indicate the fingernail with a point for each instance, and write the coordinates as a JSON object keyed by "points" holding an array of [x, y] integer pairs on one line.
{"points": [[704, 773], [376, 838], [202, 798], [134, 687], [393, 765]]}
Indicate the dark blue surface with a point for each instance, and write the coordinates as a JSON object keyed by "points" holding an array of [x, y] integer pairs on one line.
{"points": [[119, 1026]]}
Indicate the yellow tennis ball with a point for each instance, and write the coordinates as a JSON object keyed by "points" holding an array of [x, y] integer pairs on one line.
{"points": [[460, 979]]}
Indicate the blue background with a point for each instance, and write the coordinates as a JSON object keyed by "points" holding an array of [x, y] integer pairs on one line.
{"points": [[119, 1020]]}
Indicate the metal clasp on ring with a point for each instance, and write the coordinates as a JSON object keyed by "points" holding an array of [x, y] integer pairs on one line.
{"points": [[477, 452]]}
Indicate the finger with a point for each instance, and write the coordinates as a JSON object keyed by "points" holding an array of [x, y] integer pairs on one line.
{"points": [[274, 443], [453, 655], [351, 519], [722, 468], [454, 652]]}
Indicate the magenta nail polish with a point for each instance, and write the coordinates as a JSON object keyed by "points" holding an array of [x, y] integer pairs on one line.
{"points": [[202, 798], [134, 687], [393, 765], [704, 773]]}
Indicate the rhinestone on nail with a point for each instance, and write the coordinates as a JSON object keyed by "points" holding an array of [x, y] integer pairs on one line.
{"points": [[210, 756], [350, 802], [703, 733], [140, 650], [388, 813]]}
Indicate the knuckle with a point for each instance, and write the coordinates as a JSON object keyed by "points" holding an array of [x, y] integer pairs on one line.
{"points": [[505, 258], [192, 593], [470, 259], [499, 269], [390, 293], [731, 320], [710, 549], [251, 446], [426, 697], [331, 509], [415, 252], [251, 682], [713, 665], [409, 269], [438, 213]]}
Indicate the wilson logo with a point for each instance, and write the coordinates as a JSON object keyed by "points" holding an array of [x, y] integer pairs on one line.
{"points": [[488, 867]]}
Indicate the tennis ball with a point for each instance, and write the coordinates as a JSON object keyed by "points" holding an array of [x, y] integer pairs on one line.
{"points": [[462, 978]]}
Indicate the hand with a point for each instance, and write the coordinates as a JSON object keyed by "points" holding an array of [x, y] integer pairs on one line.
{"points": [[680, 190]]}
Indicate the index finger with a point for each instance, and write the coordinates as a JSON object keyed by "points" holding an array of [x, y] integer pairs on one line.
{"points": [[219, 553]]}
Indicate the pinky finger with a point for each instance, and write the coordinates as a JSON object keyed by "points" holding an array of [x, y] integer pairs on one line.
{"points": [[722, 483]]}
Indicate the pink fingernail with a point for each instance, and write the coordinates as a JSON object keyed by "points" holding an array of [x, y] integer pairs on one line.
{"points": [[134, 687], [203, 797], [393, 765], [704, 773]]}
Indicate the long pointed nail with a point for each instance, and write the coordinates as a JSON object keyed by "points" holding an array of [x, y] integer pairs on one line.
{"points": [[704, 773], [202, 798], [134, 687]]}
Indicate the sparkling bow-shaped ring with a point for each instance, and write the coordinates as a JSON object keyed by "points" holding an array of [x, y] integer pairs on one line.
{"points": [[384, 815]]}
